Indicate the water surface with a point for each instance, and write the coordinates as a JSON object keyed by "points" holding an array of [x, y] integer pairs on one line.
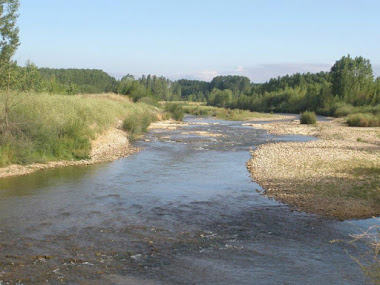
{"points": [[182, 211]]}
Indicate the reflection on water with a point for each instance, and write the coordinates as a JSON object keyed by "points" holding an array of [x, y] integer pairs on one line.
{"points": [[184, 210]]}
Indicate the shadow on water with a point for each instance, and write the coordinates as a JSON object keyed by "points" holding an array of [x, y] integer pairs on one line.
{"points": [[184, 210]]}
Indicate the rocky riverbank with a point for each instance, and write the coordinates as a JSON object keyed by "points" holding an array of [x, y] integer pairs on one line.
{"points": [[336, 176], [111, 145]]}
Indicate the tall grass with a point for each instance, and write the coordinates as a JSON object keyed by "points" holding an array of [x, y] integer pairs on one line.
{"points": [[60, 127], [363, 120], [223, 113]]}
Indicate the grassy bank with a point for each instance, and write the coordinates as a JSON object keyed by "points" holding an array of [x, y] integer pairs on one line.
{"points": [[61, 127], [223, 113]]}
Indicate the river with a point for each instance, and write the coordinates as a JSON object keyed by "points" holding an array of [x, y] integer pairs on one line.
{"points": [[182, 211]]}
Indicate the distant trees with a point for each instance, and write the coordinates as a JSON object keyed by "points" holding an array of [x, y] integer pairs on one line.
{"points": [[72, 81], [352, 80], [220, 98], [237, 84], [350, 83]]}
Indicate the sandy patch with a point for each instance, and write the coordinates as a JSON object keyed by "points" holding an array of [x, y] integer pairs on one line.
{"points": [[335, 176], [167, 125], [203, 134]]}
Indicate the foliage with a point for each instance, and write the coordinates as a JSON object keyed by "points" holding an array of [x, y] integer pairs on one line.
{"points": [[223, 113], [193, 90], [9, 39], [74, 81], [220, 98], [149, 101], [237, 84], [138, 123], [352, 80], [176, 111], [55, 127], [160, 88], [308, 118], [363, 120]]}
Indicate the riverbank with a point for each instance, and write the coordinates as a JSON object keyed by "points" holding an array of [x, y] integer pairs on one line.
{"points": [[336, 176], [111, 145], [48, 131]]}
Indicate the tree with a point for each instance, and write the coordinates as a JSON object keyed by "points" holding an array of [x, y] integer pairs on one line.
{"points": [[352, 79], [9, 41], [8, 29], [220, 98]]}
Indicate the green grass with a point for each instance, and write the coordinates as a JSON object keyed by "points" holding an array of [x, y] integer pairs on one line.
{"points": [[308, 118], [61, 127]]}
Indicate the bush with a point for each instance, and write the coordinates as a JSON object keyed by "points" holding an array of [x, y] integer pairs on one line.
{"points": [[308, 118], [176, 111], [363, 120], [149, 101], [138, 123]]}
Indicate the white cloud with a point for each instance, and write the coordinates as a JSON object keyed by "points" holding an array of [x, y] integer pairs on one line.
{"points": [[263, 72], [204, 75], [258, 73], [239, 69]]}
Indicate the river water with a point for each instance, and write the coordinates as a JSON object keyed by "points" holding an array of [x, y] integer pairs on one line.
{"points": [[182, 211]]}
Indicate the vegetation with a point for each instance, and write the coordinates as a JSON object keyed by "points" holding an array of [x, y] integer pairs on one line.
{"points": [[138, 123], [363, 120], [349, 88], [74, 81], [308, 118], [175, 110], [56, 127], [223, 113]]}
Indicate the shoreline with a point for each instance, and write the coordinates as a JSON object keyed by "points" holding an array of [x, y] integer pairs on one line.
{"points": [[335, 176], [109, 146]]}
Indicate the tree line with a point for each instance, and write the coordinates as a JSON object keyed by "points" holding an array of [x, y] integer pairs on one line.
{"points": [[349, 85], [349, 82]]}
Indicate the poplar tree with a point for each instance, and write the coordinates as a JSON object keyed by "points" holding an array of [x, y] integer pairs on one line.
{"points": [[9, 41]]}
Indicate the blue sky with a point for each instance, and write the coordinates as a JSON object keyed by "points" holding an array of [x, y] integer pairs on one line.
{"points": [[198, 39]]}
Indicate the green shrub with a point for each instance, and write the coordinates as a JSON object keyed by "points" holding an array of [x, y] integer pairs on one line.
{"points": [[149, 101], [197, 110], [138, 123], [363, 120], [176, 111], [308, 118]]}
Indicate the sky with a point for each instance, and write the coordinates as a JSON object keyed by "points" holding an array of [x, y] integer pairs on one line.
{"points": [[198, 39]]}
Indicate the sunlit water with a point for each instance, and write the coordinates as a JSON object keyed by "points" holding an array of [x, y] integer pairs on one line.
{"points": [[183, 210]]}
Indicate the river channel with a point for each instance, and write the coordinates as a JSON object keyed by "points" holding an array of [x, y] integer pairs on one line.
{"points": [[184, 210]]}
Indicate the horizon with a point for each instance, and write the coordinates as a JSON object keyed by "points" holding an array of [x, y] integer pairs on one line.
{"points": [[180, 40]]}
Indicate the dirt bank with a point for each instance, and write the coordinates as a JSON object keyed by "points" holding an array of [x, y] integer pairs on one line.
{"points": [[336, 176], [111, 145]]}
